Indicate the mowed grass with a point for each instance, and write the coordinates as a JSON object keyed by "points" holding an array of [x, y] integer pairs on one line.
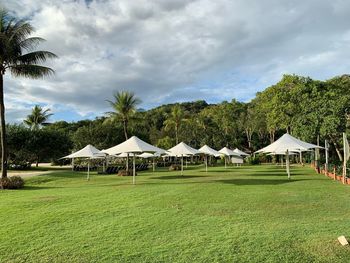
{"points": [[239, 214]]}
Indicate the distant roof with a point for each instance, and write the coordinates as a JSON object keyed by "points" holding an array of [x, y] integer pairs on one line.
{"points": [[183, 149], [88, 151], [133, 145]]}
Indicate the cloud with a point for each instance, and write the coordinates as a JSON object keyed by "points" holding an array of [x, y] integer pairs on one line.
{"points": [[177, 50]]}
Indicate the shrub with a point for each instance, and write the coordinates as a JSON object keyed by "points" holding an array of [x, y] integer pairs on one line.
{"points": [[14, 182], [126, 173], [174, 167], [253, 160]]}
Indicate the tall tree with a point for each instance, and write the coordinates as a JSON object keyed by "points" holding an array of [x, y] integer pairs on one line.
{"points": [[37, 117], [124, 106], [175, 120], [17, 56]]}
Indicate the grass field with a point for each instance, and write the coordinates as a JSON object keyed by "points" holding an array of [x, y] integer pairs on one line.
{"points": [[239, 214]]}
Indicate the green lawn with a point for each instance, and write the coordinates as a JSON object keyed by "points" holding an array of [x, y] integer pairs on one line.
{"points": [[239, 214]]}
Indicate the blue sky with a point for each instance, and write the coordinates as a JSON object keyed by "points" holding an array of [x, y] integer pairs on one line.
{"points": [[175, 50]]}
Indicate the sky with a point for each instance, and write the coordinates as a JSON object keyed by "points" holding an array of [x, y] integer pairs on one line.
{"points": [[168, 51]]}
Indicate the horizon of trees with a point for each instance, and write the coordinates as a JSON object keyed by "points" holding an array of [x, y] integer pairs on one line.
{"points": [[304, 107]]}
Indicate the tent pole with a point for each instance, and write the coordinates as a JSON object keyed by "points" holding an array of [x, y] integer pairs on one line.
{"points": [[127, 162], [326, 149], [301, 158], [72, 164], [206, 163], [345, 157], [154, 167], [133, 171], [287, 164], [88, 173], [282, 161], [182, 165], [225, 163]]}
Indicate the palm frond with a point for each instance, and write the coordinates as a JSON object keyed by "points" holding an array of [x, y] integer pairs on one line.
{"points": [[35, 57], [31, 43], [31, 71]]}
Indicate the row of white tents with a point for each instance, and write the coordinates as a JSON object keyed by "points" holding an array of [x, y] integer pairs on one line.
{"points": [[135, 147]]}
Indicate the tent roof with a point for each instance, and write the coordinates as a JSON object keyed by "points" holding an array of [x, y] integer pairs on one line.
{"points": [[210, 151], [147, 155], [183, 149], [283, 153], [240, 152], [88, 151], [228, 152], [133, 145], [287, 142]]}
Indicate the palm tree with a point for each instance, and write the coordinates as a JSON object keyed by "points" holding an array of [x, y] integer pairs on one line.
{"points": [[174, 120], [18, 57], [38, 117], [124, 106]]}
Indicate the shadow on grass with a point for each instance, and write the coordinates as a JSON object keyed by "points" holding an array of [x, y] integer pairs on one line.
{"points": [[32, 187], [257, 181], [167, 177], [66, 175]]}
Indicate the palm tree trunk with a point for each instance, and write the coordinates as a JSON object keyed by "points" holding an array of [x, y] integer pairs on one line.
{"points": [[176, 134], [3, 130], [125, 124]]}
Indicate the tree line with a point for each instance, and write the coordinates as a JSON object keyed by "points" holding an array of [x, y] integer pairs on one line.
{"points": [[306, 108]]}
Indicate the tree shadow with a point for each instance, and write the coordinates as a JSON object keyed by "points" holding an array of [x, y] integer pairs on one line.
{"points": [[32, 187], [256, 181], [167, 177], [66, 175]]}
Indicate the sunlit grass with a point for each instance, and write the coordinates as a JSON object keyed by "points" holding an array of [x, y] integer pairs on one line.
{"points": [[239, 214]]}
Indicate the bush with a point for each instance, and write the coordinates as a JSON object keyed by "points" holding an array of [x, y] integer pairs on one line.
{"points": [[14, 182], [253, 160], [126, 173], [20, 165], [174, 167]]}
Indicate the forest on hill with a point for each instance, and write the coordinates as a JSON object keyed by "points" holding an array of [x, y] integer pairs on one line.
{"points": [[304, 107]]}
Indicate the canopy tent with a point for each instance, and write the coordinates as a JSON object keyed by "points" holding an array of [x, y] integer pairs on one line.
{"points": [[121, 155], [147, 155], [89, 152], [283, 153], [227, 152], [241, 153], [150, 155], [134, 146], [288, 144], [208, 151], [182, 149]]}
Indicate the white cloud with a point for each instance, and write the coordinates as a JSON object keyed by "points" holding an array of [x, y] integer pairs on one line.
{"points": [[178, 50]]}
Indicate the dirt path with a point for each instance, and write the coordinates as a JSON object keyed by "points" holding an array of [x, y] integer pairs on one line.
{"points": [[27, 174]]}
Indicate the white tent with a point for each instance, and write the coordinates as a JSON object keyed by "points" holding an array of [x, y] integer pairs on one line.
{"points": [[122, 155], [241, 153], [150, 155], [227, 152], [288, 144], [182, 149], [147, 155], [89, 152], [283, 153], [134, 146], [208, 151]]}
